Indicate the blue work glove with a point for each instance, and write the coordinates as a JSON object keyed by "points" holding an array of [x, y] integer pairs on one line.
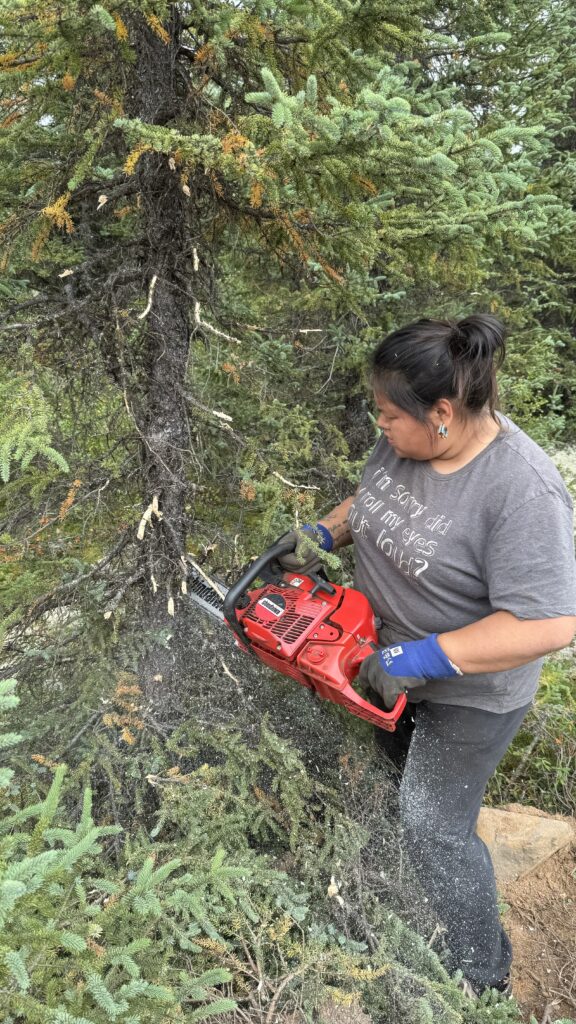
{"points": [[305, 558], [401, 666], [388, 687], [424, 658]]}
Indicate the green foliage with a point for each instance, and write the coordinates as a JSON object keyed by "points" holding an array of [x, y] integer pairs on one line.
{"points": [[79, 940], [534, 402], [538, 769], [243, 842], [157, 938], [25, 427], [340, 184], [103, 17], [528, 284], [264, 796], [8, 700], [248, 914]]}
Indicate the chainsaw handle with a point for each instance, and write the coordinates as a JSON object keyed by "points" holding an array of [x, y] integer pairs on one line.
{"points": [[389, 715], [238, 589]]}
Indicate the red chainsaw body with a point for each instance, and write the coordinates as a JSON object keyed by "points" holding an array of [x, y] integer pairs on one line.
{"points": [[317, 638]]}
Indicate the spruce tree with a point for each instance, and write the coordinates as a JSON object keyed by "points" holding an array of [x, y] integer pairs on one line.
{"points": [[512, 67], [173, 169]]}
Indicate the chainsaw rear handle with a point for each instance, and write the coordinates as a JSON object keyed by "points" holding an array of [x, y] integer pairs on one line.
{"points": [[238, 589], [387, 718]]}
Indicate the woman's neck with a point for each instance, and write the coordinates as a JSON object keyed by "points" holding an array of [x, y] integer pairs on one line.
{"points": [[468, 438]]}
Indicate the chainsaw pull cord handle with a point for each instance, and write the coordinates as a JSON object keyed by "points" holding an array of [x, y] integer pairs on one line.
{"points": [[238, 589]]}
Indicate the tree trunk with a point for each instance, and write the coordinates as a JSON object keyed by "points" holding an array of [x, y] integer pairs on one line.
{"points": [[157, 398]]}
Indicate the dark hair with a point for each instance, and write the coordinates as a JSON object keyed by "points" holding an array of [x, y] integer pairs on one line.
{"points": [[432, 359]]}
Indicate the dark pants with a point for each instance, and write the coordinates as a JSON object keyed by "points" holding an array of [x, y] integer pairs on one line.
{"points": [[447, 754]]}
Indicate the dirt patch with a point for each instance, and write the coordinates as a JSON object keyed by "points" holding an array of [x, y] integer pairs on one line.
{"points": [[541, 922]]}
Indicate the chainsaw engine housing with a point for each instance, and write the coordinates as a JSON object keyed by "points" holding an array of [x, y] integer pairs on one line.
{"points": [[317, 633]]}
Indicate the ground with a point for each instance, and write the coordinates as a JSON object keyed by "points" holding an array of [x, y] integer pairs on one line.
{"points": [[541, 921]]}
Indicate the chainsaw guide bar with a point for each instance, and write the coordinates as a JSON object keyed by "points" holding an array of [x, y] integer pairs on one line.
{"points": [[205, 595]]}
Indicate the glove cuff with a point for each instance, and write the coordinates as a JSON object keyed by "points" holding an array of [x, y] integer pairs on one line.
{"points": [[420, 658], [321, 535]]}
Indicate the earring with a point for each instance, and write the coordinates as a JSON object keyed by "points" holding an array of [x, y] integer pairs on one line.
{"points": [[443, 430]]}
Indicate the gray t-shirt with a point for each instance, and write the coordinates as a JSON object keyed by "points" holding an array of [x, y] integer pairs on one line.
{"points": [[435, 552]]}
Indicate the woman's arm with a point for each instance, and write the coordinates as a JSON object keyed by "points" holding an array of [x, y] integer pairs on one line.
{"points": [[502, 641], [337, 522]]}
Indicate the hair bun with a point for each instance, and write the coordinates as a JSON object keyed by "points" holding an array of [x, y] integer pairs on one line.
{"points": [[479, 338]]}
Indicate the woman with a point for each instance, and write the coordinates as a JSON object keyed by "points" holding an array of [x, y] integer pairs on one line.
{"points": [[463, 540]]}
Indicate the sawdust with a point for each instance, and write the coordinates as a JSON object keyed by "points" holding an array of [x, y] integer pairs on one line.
{"points": [[541, 921]]}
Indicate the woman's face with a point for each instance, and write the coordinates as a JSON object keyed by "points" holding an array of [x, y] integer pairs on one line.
{"points": [[409, 438]]}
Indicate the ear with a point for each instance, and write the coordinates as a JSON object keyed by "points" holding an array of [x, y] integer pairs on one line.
{"points": [[443, 412]]}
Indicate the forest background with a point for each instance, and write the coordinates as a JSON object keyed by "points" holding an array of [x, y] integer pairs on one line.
{"points": [[211, 211]]}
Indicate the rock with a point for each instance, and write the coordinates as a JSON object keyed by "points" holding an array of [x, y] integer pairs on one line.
{"points": [[520, 838]]}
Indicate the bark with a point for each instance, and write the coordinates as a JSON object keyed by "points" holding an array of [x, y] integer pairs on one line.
{"points": [[156, 390]]}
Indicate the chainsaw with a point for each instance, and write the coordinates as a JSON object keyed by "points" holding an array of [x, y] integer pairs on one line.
{"points": [[304, 626]]}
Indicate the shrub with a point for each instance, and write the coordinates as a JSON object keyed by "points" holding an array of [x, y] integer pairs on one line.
{"points": [[178, 929]]}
